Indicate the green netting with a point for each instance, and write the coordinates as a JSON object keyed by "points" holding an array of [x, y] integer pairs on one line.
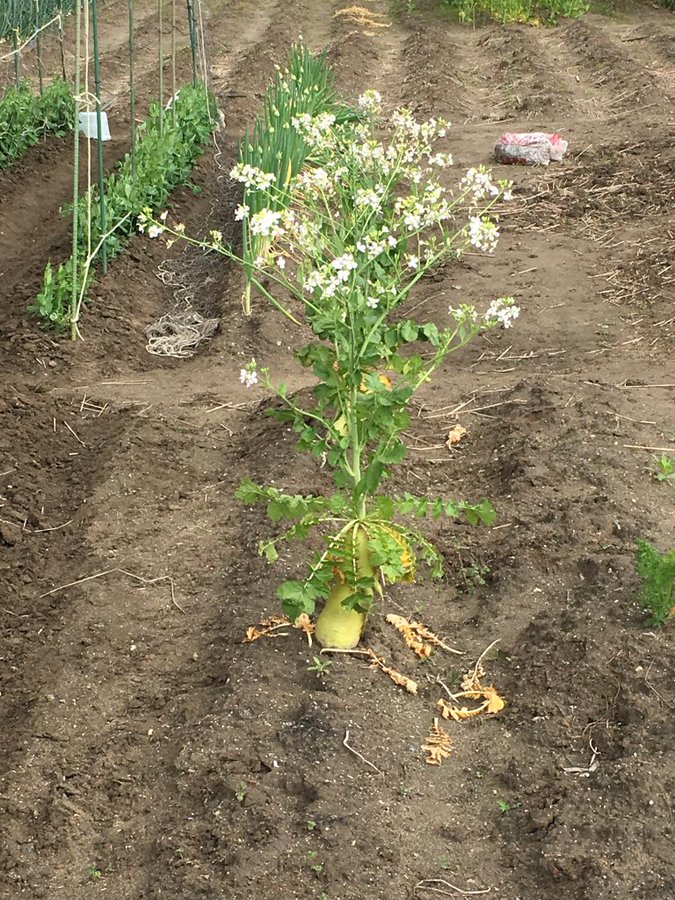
{"points": [[22, 18]]}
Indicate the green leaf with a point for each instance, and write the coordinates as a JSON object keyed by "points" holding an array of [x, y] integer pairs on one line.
{"points": [[269, 551], [452, 509], [394, 452], [431, 333], [276, 511], [487, 513], [408, 331], [658, 573], [297, 597], [248, 492]]}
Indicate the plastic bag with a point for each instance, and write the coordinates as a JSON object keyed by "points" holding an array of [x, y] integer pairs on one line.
{"points": [[535, 148]]}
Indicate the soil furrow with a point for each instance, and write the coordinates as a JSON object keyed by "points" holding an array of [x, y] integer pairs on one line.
{"points": [[627, 84]]}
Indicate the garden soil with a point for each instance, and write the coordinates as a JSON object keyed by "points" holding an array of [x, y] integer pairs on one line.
{"points": [[149, 752]]}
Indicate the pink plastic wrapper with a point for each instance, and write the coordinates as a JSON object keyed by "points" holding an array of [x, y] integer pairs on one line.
{"points": [[533, 149]]}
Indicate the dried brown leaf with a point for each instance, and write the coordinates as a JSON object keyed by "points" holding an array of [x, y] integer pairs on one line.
{"points": [[304, 623], [254, 633], [471, 681], [495, 702], [458, 713], [362, 16], [455, 435], [396, 676], [267, 628], [491, 703], [412, 639], [415, 634], [438, 745]]}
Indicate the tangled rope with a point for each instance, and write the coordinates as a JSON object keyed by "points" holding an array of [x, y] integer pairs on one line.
{"points": [[179, 334]]}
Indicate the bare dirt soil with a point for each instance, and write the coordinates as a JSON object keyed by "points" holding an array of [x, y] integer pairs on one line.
{"points": [[147, 752]]}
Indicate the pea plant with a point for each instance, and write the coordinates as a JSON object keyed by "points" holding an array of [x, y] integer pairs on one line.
{"points": [[369, 219], [26, 118], [166, 153]]}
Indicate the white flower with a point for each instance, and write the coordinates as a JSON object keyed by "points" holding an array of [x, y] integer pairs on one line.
{"points": [[266, 222], [248, 375], [464, 315], [155, 231], [502, 311], [314, 129], [344, 265], [313, 282], [163, 216], [252, 177], [372, 302], [369, 197], [412, 262], [441, 160], [483, 233], [370, 100], [281, 262], [241, 212], [316, 180]]}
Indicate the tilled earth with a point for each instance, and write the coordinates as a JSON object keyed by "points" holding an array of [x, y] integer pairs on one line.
{"points": [[148, 752]]}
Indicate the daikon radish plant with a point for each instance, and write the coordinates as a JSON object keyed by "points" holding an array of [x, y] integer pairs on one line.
{"points": [[368, 220], [367, 223]]}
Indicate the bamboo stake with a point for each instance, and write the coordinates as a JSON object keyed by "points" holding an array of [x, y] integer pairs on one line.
{"points": [[193, 39], [38, 43], [76, 167], [101, 175], [173, 62], [17, 56], [203, 58], [62, 42], [132, 85], [160, 5]]}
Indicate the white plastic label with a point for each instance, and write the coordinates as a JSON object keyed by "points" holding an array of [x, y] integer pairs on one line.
{"points": [[88, 126]]}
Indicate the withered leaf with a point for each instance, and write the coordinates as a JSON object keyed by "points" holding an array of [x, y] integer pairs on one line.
{"points": [[269, 628], [396, 677], [255, 632], [438, 745], [455, 435], [495, 702], [412, 639], [415, 634], [492, 703], [304, 623]]}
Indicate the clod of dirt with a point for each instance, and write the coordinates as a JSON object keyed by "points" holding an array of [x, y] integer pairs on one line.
{"points": [[10, 534]]}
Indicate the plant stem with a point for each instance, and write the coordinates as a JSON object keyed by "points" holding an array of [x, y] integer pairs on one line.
{"points": [[359, 497]]}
